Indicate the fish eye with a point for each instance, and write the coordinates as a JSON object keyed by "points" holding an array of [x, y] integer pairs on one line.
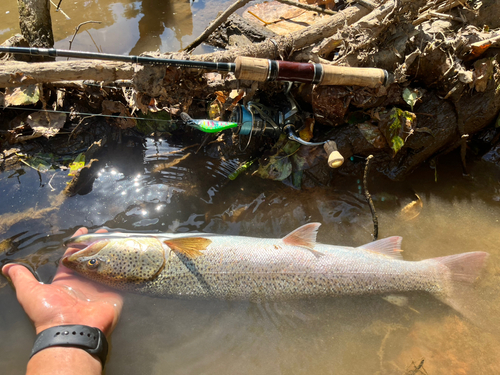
{"points": [[92, 263]]}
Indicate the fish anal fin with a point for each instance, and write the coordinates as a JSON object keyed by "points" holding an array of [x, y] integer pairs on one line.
{"points": [[390, 246], [304, 236], [191, 247]]}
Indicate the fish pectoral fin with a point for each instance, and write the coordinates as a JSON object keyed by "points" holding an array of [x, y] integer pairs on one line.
{"points": [[191, 247], [401, 301], [390, 246], [304, 236], [396, 299]]}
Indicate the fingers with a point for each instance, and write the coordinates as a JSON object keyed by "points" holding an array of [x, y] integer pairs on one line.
{"points": [[80, 231], [21, 277]]}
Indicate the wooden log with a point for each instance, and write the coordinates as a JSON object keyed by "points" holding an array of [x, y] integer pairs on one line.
{"points": [[216, 23], [35, 22], [16, 73]]}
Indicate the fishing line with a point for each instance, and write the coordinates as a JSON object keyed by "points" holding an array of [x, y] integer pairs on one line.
{"points": [[89, 114]]}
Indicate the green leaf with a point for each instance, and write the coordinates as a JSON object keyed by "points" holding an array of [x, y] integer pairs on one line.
{"points": [[78, 163], [278, 168], [397, 143], [411, 96], [297, 179]]}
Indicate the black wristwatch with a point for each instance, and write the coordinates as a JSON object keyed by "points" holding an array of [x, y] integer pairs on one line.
{"points": [[90, 339]]}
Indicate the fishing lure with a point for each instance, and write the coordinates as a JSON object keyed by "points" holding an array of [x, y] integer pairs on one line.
{"points": [[207, 126]]}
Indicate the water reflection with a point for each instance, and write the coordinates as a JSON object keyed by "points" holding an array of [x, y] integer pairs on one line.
{"points": [[169, 16], [126, 26]]}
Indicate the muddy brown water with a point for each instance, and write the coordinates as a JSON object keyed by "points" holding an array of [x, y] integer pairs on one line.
{"points": [[363, 335], [126, 26]]}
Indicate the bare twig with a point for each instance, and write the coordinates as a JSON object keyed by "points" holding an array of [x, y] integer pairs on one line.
{"points": [[78, 28], [51, 187], [367, 4], [95, 44], [215, 24], [369, 199], [311, 8], [443, 16], [443, 7]]}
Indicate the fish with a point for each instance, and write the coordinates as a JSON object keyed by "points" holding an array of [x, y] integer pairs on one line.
{"points": [[224, 267]]}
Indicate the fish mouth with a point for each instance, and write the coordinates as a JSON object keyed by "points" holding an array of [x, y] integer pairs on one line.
{"points": [[82, 246], [73, 253]]}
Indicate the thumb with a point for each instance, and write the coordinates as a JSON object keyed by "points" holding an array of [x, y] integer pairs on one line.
{"points": [[21, 277]]}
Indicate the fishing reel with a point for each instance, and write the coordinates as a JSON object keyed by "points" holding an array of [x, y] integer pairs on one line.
{"points": [[256, 119]]}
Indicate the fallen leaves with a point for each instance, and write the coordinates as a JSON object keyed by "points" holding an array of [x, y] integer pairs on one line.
{"points": [[22, 95], [123, 117]]}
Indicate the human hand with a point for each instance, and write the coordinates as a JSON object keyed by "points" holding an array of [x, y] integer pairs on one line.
{"points": [[70, 299]]}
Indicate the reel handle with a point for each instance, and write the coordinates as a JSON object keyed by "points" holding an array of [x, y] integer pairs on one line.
{"points": [[335, 159]]}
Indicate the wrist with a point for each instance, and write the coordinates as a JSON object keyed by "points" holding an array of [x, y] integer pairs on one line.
{"points": [[60, 360], [106, 329]]}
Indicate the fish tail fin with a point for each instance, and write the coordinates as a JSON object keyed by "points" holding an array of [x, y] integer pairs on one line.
{"points": [[461, 271]]}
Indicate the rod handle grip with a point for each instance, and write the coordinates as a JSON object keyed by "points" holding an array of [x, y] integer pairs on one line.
{"points": [[251, 69], [347, 76]]}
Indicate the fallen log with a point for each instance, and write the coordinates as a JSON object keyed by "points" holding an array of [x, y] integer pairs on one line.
{"points": [[16, 73]]}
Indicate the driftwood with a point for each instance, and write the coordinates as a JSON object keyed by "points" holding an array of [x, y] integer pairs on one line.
{"points": [[16, 73], [311, 8], [283, 46], [237, 31], [215, 24]]}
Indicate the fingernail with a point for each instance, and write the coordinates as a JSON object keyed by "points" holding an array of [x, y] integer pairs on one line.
{"points": [[5, 269]]}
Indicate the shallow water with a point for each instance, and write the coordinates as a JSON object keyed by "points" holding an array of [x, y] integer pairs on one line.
{"points": [[125, 26], [134, 192], [341, 336]]}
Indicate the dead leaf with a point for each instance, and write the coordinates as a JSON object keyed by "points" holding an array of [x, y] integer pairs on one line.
{"points": [[22, 95], [483, 71], [46, 124], [110, 107], [412, 209], [306, 133], [372, 134]]}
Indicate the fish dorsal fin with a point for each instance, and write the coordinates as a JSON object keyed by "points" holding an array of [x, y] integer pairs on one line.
{"points": [[304, 236], [390, 246], [188, 246]]}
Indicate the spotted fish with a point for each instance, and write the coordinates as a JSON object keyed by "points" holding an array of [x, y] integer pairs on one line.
{"points": [[238, 268]]}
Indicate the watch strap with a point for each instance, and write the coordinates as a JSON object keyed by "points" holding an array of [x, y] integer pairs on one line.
{"points": [[90, 339]]}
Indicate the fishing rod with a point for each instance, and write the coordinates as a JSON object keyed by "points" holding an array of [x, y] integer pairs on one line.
{"points": [[244, 68]]}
